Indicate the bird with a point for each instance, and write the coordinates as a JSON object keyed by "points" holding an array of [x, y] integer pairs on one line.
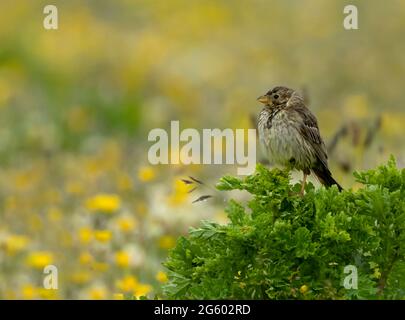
{"points": [[290, 135]]}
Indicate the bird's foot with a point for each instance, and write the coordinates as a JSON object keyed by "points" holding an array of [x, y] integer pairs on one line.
{"points": [[296, 194]]}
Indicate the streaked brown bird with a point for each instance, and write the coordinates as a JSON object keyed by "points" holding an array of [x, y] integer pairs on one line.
{"points": [[290, 135]]}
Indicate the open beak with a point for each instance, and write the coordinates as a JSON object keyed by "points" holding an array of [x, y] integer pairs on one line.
{"points": [[265, 99]]}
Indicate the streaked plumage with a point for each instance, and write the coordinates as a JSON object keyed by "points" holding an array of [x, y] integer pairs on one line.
{"points": [[290, 135]]}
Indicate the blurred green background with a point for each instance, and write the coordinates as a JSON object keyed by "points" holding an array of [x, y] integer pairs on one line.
{"points": [[77, 103]]}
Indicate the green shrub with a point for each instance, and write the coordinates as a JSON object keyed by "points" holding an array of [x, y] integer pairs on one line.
{"points": [[282, 246]]}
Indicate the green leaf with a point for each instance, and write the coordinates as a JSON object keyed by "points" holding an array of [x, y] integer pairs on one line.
{"points": [[276, 244]]}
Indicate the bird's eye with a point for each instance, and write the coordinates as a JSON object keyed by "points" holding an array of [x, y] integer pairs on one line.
{"points": [[276, 96]]}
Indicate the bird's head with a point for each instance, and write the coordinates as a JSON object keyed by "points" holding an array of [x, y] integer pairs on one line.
{"points": [[276, 96]]}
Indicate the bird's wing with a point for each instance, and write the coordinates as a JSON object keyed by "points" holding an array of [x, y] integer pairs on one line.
{"points": [[310, 130]]}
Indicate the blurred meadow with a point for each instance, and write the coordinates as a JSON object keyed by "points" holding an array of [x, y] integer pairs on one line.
{"points": [[77, 103]]}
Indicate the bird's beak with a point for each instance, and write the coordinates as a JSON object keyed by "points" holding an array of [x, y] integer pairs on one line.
{"points": [[265, 99]]}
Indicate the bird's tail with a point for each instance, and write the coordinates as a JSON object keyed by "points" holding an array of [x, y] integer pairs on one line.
{"points": [[325, 177]]}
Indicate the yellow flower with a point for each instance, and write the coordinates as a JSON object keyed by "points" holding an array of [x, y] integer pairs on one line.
{"points": [[39, 259], [100, 266], [65, 239], [10, 295], [80, 277], [28, 292], [126, 224], [118, 296], [124, 182], [24, 180], [103, 235], [6, 91], [167, 242], [141, 208], [77, 119], [393, 124], [74, 187], [180, 193], [15, 243], [377, 273], [85, 258], [356, 106], [10, 203], [146, 174], [131, 284], [142, 290], [48, 294], [85, 235], [107, 203], [52, 196], [304, 289], [122, 259], [35, 222], [161, 277], [127, 284], [98, 293], [221, 217], [54, 214]]}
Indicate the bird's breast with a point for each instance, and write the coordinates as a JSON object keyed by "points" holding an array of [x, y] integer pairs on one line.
{"points": [[280, 135]]}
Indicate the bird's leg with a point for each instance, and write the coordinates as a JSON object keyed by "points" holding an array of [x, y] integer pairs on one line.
{"points": [[304, 182]]}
